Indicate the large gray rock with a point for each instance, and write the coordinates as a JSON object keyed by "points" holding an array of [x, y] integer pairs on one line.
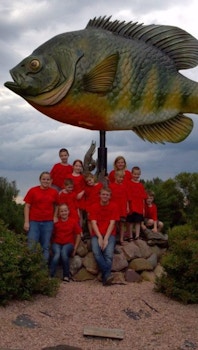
{"points": [[75, 264], [82, 249], [90, 264], [131, 251], [145, 250], [132, 276], [153, 260], [83, 275], [140, 264], [119, 262]]}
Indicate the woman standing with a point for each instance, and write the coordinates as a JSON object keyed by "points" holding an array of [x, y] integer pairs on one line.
{"points": [[40, 202]]}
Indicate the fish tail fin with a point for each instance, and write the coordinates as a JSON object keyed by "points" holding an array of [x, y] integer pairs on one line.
{"points": [[173, 130]]}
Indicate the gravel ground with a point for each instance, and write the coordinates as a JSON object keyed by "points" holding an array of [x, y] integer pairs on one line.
{"points": [[149, 319]]}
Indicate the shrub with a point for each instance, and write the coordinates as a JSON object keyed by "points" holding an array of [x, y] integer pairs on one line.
{"points": [[22, 272], [181, 266]]}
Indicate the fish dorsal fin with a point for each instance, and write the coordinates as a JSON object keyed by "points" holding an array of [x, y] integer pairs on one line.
{"points": [[179, 45], [101, 77], [173, 130]]}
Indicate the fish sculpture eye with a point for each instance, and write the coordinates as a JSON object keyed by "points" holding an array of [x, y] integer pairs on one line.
{"points": [[34, 65]]}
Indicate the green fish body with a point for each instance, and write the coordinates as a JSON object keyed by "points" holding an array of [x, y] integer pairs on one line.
{"points": [[114, 76]]}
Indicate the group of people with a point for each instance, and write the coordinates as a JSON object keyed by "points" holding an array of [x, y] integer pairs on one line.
{"points": [[55, 209]]}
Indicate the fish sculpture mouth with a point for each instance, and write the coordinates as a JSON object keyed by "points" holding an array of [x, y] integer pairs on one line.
{"points": [[49, 98], [13, 86]]}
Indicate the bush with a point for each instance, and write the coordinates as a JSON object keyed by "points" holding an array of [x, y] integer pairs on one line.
{"points": [[22, 272], [181, 266]]}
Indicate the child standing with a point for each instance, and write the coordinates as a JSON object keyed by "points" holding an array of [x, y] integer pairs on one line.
{"points": [[79, 185], [60, 170], [120, 164], [68, 196], [40, 202], [92, 191], [137, 197], [65, 241], [120, 197], [150, 217]]}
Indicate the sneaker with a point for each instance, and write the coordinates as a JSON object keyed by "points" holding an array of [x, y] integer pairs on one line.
{"points": [[65, 279], [108, 281]]}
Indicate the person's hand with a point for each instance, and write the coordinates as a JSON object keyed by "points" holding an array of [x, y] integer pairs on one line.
{"points": [[100, 242], [73, 253], [26, 226], [154, 230], [105, 242]]}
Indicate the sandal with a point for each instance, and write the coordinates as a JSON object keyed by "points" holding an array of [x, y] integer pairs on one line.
{"points": [[130, 239], [66, 279], [136, 238]]}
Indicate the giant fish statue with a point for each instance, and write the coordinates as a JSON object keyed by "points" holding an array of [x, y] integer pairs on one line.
{"points": [[114, 76]]}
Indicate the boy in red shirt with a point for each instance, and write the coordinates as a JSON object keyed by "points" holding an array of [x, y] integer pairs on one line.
{"points": [[65, 240], [150, 217], [103, 216], [91, 195], [137, 197], [60, 171], [120, 197]]}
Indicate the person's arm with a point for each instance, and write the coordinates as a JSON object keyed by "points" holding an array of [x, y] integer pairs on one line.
{"points": [[55, 213], [97, 233], [108, 233], [26, 225], [154, 227], [77, 242]]}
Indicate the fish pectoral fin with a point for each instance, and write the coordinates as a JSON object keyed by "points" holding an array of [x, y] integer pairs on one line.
{"points": [[173, 130], [101, 77]]}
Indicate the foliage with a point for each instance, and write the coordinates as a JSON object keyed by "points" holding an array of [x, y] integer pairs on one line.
{"points": [[169, 200], [22, 272], [181, 266], [10, 212]]}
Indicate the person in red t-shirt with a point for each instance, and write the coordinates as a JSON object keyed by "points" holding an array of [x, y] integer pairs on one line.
{"points": [[150, 217], [120, 197], [120, 164], [91, 195], [60, 170], [137, 197], [79, 185], [40, 202], [65, 240], [103, 216], [68, 196]]}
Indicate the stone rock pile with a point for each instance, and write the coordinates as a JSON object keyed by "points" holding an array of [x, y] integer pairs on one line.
{"points": [[133, 262]]}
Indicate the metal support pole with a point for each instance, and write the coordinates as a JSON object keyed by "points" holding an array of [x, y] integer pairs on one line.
{"points": [[102, 153]]}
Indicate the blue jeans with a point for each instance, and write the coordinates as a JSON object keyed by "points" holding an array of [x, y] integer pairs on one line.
{"points": [[40, 232], [64, 251], [104, 258]]}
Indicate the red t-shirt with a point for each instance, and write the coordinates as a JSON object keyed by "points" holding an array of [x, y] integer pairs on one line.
{"points": [[42, 203], [92, 195], [137, 196], [151, 211], [59, 173], [127, 176], [65, 231], [79, 186], [103, 214], [120, 196], [71, 201]]}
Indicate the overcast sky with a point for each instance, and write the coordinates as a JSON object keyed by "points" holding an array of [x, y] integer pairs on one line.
{"points": [[29, 140]]}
